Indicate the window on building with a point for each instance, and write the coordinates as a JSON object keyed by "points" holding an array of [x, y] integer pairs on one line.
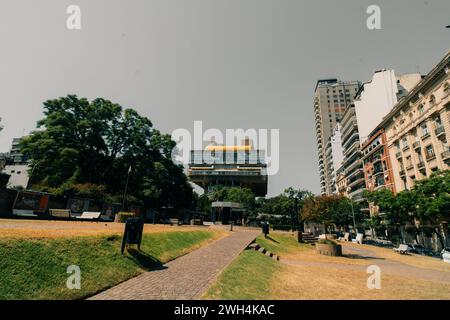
{"points": [[408, 162], [429, 151], [424, 129], [404, 142], [432, 100], [446, 87], [421, 108], [438, 121], [419, 156]]}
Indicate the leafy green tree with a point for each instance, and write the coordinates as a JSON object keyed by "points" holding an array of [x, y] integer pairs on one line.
{"points": [[100, 143], [234, 194], [296, 199], [320, 210], [346, 212], [393, 210], [202, 203], [331, 211], [432, 197], [4, 178]]}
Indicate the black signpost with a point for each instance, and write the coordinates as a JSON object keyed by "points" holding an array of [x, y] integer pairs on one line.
{"points": [[133, 232], [265, 228]]}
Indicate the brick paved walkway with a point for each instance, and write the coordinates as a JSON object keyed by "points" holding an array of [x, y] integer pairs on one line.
{"points": [[187, 277]]}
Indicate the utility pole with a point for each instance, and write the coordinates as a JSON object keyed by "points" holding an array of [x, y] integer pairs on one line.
{"points": [[126, 188], [353, 214], [231, 220], [353, 211]]}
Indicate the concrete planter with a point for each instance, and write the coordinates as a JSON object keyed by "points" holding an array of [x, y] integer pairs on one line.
{"points": [[334, 250], [197, 222], [122, 217]]}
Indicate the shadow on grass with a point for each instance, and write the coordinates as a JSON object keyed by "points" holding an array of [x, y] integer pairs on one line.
{"points": [[271, 239], [359, 257], [144, 260]]}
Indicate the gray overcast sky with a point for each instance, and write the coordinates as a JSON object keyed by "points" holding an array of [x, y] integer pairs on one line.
{"points": [[230, 63]]}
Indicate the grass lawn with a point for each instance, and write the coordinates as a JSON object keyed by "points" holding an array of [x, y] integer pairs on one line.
{"points": [[280, 243], [303, 274], [248, 277], [36, 268], [256, 272]]}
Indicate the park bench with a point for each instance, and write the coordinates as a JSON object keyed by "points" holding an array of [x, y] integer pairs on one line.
{"points": [[403, 249], [60, 213], [89, 215], [359, 238], [346, 237]]}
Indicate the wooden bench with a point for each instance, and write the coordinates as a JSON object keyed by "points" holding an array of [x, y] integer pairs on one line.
{"points": [[89, 215], [60, 213], [345, 238], [359, 238]]}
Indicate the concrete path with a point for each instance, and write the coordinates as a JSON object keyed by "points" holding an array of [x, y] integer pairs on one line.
{"points": [[187, 277]]}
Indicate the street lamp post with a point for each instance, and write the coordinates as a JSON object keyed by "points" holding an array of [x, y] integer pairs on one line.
{"points": [[231, 220], [353, 215], [353, 211], [126, 189]]}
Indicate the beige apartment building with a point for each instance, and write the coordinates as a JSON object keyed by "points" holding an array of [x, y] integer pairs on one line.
{"points": [[352, 165], [418, 129], [331, 98]]}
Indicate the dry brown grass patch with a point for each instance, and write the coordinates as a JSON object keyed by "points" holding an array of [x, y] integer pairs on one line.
{"points": [[15, 228], [304, 282]]}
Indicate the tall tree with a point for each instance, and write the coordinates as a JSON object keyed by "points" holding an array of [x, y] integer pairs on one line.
{"points": [[296, 198], [331, 210], [432, 197], [4, 178], [98, 142]]}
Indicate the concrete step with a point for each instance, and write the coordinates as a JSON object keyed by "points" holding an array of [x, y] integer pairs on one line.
{"points": [[257, 247]]}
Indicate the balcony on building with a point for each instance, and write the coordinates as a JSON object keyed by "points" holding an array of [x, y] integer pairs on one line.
{"points": [[421, 165], [439, 131], [445, 155], [430, 156], [416, 145], [425, 135], [377, 169], [356, 194]]}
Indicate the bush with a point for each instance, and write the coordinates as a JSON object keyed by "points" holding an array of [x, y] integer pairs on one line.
{"points": [[4, 178], [283, 227], [123, 216]]}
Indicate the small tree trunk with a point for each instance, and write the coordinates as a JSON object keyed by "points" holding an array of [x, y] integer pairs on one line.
{"points": [[439, 235]]}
